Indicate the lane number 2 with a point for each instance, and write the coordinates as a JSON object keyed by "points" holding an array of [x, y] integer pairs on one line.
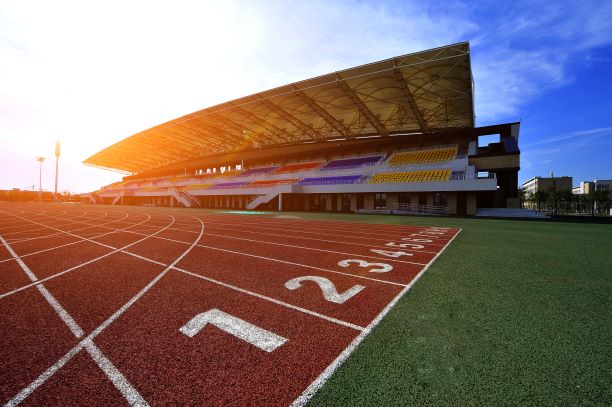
{"points": [[327, 287]]}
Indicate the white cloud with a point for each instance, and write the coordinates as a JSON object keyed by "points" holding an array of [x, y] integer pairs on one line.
{"points": [[526, 51], [93, 73], [582, 135]]}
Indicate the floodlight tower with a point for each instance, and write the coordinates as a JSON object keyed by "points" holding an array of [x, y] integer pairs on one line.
{"points": [[40, 159], [57, 155]]}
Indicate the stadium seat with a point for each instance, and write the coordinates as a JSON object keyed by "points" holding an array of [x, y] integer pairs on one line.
{"points": [[410, 176], [346, 179], [351, 162], [229, 185], [257, 171], [272, 182], [298, 167], [423, 156]]}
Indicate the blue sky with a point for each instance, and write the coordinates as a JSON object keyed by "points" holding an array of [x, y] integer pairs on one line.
{"points": [[92, 73]]}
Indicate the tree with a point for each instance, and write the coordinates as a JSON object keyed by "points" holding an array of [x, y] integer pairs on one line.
{"points": [[555, 197], [598, 198], [539, 197], [566, 198], [521, 194]]}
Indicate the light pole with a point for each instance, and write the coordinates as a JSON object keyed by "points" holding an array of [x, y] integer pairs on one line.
{"points": [[57, 155], [40, 159]]}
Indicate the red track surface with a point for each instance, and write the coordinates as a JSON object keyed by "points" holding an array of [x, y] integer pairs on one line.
{"points": [[96, 302]]}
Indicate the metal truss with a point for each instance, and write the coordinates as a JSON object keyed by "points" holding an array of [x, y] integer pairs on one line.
{"points": [[423, 92]]}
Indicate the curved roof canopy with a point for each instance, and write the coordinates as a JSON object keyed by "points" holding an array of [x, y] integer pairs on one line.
{"points": [[422, 92]]}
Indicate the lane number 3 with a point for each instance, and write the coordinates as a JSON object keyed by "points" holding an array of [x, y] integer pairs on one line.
{"points": [[376, 267]]}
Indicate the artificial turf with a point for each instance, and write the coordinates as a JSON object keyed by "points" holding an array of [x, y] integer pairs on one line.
{"points": [[513, 313]]}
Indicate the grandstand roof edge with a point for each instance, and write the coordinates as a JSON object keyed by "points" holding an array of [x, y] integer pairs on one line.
{"points": [[111, 157]]}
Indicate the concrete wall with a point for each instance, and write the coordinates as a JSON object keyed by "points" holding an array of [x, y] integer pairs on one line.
{"points": [[451, 202], [368, 201], [391, 200], [470, 207]]}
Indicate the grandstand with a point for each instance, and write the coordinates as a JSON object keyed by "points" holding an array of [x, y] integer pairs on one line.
{"points": [[370, 138]]}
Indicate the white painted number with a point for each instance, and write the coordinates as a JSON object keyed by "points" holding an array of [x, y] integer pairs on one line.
{"points": [[264, 340], [410, 239], [405, 245], [379, 267], [328, 288], [390, 254]]}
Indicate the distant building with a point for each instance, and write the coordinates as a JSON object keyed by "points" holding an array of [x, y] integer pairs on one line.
{"points": [[544, 184], [587, 187]]}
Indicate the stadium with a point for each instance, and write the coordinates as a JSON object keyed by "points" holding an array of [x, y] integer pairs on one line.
{"points": [[266, 251], [393, 136]]}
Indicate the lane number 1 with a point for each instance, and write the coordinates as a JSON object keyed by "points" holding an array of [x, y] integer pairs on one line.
{"points": [[264, 340]]}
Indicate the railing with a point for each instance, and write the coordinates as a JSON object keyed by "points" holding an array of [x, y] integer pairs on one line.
{"points": [[416, 209]]}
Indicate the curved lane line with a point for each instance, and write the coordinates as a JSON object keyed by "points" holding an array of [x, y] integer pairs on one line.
{"points": [[23, 394]]}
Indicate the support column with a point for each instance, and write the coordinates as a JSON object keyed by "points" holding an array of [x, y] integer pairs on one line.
{"points": [[280, 202]]}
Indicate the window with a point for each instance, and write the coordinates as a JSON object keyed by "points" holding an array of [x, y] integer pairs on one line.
{"points": [[484, 141], [380, 200], [346, 202], [359, 201], [403, 198], [439, 199]]}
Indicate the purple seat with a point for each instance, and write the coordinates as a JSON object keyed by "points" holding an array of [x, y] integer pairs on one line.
{"points": [[345, 179], [351, 162]]}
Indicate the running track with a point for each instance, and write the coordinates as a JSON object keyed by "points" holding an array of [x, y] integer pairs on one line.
{"points": [[156, 306]]}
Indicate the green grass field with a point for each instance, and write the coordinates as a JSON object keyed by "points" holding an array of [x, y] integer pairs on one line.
{"points": [[513, 313]]}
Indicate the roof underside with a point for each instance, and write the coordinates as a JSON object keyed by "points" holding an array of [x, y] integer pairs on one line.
{"points": [[421, 92]]}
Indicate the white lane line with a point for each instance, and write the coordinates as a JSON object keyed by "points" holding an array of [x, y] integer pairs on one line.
{"points": [[287, 262], [8, 226], [75, 242], [59, 234], [256, 336], [16, 290], [350, 233], [307, 394], [63, 314], [273, 300], [127, 390], [51, 217], [314, 226], [85, 263], [45, 227], [252, 293], [122, 384], [61, 311], [351, 255], [350, 243], [90, 225], [23, 394]]}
